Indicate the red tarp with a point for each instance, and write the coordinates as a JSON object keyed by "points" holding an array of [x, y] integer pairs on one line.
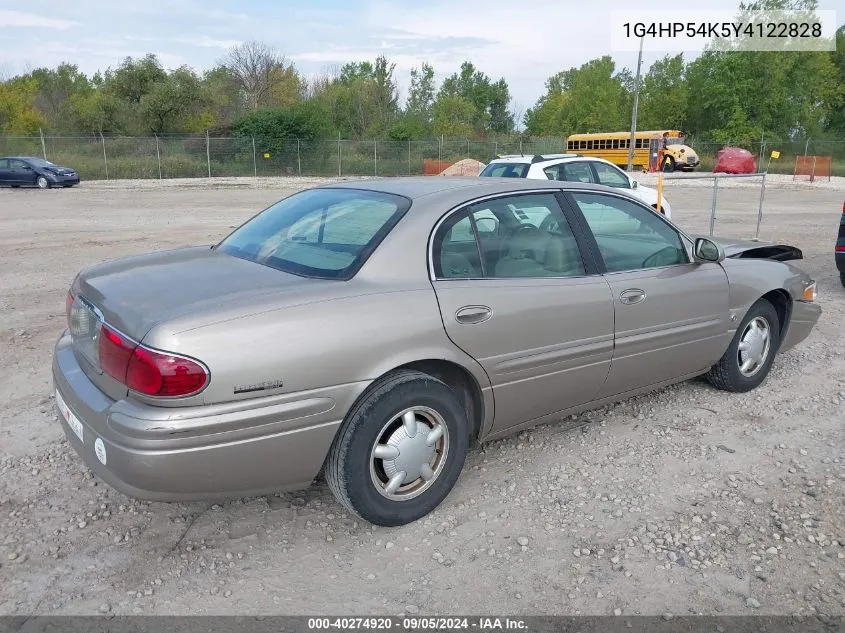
{"points": [[735, 160]]}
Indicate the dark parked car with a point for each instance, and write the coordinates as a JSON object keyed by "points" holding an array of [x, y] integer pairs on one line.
{"points": [[839, 250], [29, 171]]}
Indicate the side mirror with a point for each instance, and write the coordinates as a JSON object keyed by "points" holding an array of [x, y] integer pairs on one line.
{"points": [[706, 250], [634, 184]]}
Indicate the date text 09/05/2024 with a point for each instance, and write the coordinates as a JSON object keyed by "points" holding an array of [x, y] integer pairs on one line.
{"points": [[417, 624], [724, 29]]}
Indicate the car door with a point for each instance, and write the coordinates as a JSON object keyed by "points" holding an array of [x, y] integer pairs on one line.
{"points": [[21, 173], [518, 296], [671, 313], [610, 175]]}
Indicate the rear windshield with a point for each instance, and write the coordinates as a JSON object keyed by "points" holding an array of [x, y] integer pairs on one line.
{"points": [[505, 170], [325, 233]]}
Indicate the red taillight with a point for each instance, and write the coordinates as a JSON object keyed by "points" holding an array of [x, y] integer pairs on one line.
{"points": [[68, 306], [146, 371], [115, 352], [160, 374], [839, 249]]}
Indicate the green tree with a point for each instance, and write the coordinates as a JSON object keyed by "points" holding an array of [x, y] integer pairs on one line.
{"points": [[169, 102], [592, 98], [489, 100], [420, 102], [56, 88], [18, 114], [663, 96], [454, 115]]}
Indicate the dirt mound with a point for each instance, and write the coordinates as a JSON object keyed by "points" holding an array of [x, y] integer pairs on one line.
{"points": [[465, 167]]}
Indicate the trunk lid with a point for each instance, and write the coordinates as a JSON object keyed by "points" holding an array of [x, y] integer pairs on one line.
{"points": [[134, 294]]}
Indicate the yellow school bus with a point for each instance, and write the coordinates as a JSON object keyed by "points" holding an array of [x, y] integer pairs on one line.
{"points": [[613, 146]]}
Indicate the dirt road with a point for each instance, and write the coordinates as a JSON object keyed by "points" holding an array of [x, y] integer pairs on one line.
{"points": [[685, 501]]}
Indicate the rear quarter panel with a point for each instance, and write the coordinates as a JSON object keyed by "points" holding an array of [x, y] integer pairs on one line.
{"points": [[349, 340]]}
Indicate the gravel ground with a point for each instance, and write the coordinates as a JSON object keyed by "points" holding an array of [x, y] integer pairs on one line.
{"points": [[688, 500]]}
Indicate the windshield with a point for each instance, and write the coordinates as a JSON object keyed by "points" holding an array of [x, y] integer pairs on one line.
{"points": [[505, 170], [675, 140], [326, 233], [40, 162]]}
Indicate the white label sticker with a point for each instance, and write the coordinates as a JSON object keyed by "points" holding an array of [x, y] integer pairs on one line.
{"points": [[100, 450], [67, 414]]}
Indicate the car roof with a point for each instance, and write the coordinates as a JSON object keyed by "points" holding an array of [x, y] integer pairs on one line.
{"points": [[20, 157], [547, 159], [461, 188]]}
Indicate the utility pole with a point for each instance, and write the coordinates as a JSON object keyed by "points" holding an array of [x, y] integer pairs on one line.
{"points": [[632, 140]]}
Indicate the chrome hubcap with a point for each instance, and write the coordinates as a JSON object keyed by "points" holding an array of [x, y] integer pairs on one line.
{"points": [[409, 454], [754, 346]]}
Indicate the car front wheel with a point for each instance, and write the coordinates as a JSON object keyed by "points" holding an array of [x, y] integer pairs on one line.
{"points": [[42, 183], [749, 357], [400, 450]]}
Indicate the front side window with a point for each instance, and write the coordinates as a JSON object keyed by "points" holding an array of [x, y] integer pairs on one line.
{"points": [[630, 236], [325, 233], [611, 176], [505, 170]]}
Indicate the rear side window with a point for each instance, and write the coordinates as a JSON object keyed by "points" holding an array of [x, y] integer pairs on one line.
{"points": [[325, 233], [505, 170]]}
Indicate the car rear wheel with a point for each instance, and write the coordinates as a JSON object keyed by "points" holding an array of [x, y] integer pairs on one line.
{"points": [[42, 183], [749, 357], [842, 279], [400, 450]]}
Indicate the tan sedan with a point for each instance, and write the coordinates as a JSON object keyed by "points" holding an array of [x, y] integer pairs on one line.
{"points": [[371, 330]]}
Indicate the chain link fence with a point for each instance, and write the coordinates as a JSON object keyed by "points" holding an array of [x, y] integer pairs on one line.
{"points": [[104, 158]]}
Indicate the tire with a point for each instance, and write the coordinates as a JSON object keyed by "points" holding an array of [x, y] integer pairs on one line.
{"points": [[669, 164], [727, 374], [357, 478], [842, 278], [42, 183]]}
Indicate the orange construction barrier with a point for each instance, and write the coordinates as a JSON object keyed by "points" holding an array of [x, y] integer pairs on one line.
{"points": [[812, 166], [434, 167]]}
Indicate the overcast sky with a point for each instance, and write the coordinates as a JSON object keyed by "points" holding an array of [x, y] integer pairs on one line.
{"points": [[525, 42]]}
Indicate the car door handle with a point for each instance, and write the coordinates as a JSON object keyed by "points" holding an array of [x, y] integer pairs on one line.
{"points": [[632, 296], [473, 314]]}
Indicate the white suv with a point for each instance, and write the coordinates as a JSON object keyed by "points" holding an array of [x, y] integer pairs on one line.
{"points": [[575, 168]]}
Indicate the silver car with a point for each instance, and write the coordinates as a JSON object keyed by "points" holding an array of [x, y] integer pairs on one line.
{"points": [[370, 331]]}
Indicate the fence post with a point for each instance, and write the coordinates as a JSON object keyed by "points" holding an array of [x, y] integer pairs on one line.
{"points": [[43, 146], [339, 159], [762, 145], [520, 148], [105, 159], [440, 151], [298, 158], [806, 146], [254, 159], [208, 152], [158, 157], [409, 157], [713, 204], [375, 158], [495, 148], [760, 207]]}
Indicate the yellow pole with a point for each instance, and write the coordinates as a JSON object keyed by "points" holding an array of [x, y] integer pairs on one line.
{"points": [[659, 189]]}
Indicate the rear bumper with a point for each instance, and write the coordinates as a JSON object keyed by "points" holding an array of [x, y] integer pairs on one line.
{"points": [[207, 452], [801, 322]]}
